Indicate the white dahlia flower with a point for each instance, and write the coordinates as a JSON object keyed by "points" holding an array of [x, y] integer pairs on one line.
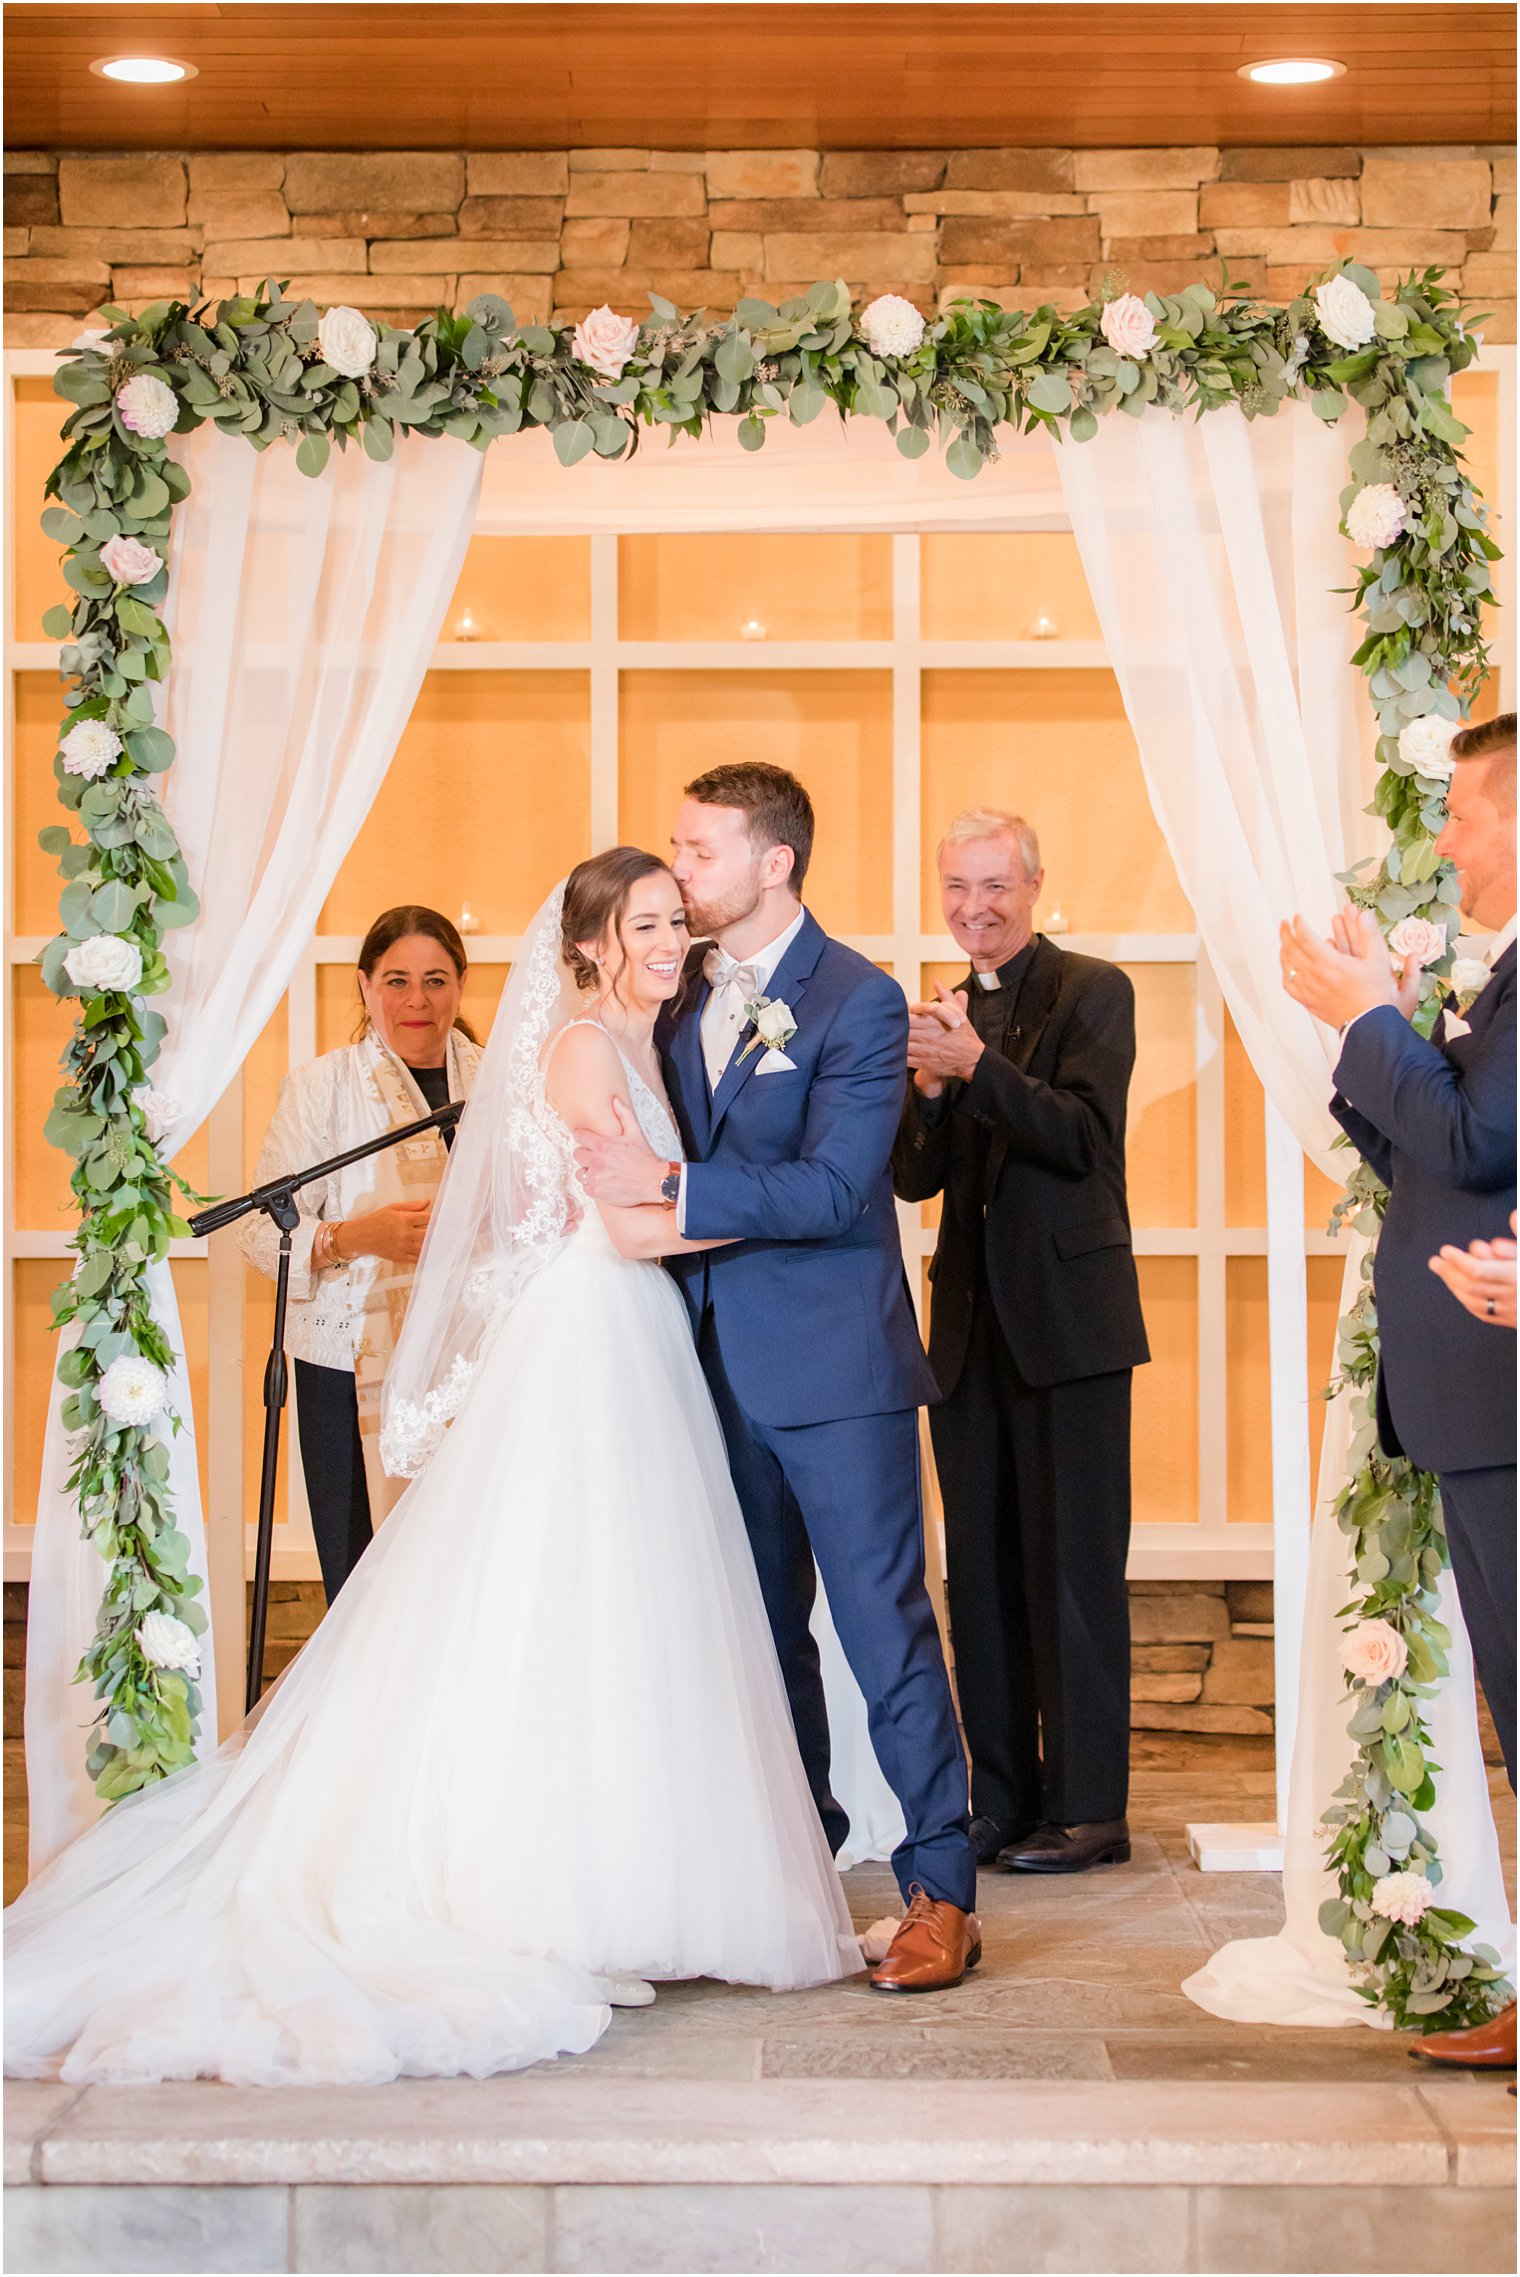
{"points": [[147, 406], [1375, 516], [90, 748], [132, 1390], [892, 326], [1404, 1897]]}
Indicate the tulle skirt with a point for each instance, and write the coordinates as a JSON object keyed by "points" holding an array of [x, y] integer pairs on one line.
{"points": [[541, 1738]]}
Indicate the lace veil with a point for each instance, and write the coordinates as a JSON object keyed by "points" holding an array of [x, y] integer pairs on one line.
{"points": [[505, 1204]]}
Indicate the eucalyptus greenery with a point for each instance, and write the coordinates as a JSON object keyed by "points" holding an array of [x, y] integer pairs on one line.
{"points": [[254, 366]]}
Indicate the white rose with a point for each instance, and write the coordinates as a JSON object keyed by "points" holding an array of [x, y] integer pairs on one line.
{"points": [[1374, 1651], [774, 1024], [147, 406], [168, 1642], [1375, 516], [1128, 326], [105, 961], [1470, 976], [1426, 744], [161, 1111], [605, 341], [90, 337], [892, 326], [90, 748], [129, 561], [132, 1390], [1419, 938], [1402, 1897], [1345, 313], [348, 342]]}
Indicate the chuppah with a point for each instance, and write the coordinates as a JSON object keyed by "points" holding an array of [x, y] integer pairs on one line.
{"points": [[1210, 551]]}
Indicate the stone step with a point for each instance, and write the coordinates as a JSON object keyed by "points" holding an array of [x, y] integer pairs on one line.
{"points": [[549, 2171]]}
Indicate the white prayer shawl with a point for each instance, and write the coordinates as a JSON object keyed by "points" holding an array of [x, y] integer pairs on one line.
{"points": [[348, 1315]]}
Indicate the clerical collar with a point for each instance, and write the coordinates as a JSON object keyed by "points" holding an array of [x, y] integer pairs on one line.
{"points": [[1006, 974]]}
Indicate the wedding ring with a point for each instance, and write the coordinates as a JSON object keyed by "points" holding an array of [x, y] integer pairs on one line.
{"points": [[1490, 1308], [1292, 972]]}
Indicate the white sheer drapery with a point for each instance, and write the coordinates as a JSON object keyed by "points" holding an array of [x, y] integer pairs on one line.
{"points": [[1212, 550], [303, 615], [1213, 554]]}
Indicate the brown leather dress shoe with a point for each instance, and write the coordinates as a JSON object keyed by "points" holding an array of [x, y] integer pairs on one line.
{"points": [[934, 1947], [1482, 2047]]}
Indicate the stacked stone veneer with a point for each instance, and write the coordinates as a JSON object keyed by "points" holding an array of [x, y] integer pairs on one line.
{"points": [[1202, 1651], [396, 232]]}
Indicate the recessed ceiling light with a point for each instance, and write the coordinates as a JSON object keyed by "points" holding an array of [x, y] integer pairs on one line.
{"points": [[143, 70], [1292, 71]]}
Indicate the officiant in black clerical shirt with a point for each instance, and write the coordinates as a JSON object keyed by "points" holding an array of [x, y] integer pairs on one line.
{"points": [[1015, 1112]]}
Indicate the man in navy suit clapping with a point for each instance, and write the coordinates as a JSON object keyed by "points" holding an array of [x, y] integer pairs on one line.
{"points": [[1436, 1120]]}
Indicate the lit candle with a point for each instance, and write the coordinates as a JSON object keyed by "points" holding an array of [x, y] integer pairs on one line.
{"points": [[468, 921], [752, 629]]}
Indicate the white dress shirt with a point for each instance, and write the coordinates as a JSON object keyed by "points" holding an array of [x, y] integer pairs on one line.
{"points": [[723, 1020]]}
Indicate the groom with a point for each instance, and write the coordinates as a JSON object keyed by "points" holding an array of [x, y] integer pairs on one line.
{"points": [[784, 1061]]}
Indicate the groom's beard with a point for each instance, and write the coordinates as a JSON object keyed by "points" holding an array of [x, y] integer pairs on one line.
{"points": [[708, 921]]}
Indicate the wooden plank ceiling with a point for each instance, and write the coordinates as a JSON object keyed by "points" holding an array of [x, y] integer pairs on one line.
{"points": [[927, 73]]}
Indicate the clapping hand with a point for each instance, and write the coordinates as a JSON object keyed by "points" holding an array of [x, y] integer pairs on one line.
{"points": [[942, 1044], [1481, 1277], [1349, 973]]}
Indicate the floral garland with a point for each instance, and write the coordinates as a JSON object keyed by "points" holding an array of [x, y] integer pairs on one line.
{"points": [[272, 370]]}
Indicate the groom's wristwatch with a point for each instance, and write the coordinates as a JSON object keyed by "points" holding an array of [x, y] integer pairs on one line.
{"points": [[670, 1184]]}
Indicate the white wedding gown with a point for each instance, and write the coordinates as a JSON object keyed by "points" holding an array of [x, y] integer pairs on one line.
{"points": [[541, 1738]]}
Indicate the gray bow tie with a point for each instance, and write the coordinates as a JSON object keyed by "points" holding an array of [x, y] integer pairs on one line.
{"points": [[725, 971]]}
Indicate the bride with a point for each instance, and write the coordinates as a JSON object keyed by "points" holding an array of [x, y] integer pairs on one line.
{"points": [[539, 1751]]}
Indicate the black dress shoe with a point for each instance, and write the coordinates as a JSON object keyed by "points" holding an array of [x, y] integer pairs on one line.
{"points": [[1069, 1849], [991, 1836]]}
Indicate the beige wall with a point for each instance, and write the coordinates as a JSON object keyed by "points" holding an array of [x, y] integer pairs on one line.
{"points": [[396, 233]]}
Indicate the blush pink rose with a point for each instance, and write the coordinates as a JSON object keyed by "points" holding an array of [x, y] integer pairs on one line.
{"points": [[129, 561], [1373, 1652], [1128, 326], [605, 341], [1417, 937]]}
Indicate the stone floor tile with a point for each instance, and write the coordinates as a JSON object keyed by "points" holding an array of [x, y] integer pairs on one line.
{"points": [[1078, 2229], [658, 2227], [669, 2055], [1354, 2228], [32, 2106], [161, 2230], [1209, 2051], [983, 2054], [461, 2228]]}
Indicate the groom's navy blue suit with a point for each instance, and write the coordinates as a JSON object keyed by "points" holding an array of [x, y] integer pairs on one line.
{"points": [[1437, 1123], [809, 1344]]}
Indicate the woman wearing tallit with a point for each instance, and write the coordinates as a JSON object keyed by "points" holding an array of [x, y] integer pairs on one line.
{"points": [[355, 1250]]}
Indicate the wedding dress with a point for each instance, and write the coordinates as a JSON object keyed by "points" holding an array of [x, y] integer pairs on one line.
{"points": [[540, 1739]]}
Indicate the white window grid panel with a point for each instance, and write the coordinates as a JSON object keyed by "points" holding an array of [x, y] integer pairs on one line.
{"points": [[1209, 1545]]}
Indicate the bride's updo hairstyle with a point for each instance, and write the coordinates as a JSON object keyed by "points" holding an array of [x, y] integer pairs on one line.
{"points": [[596, 895]]}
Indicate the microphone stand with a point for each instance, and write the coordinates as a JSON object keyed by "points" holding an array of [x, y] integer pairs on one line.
{"points": [[276, 1198]]}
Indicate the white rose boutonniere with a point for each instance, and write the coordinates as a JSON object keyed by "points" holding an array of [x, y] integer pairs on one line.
{"points": [[769, 1022], [1468, 978]]}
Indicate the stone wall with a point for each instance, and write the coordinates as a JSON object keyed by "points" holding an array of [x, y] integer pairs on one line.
{"points": [[395, 233]]}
